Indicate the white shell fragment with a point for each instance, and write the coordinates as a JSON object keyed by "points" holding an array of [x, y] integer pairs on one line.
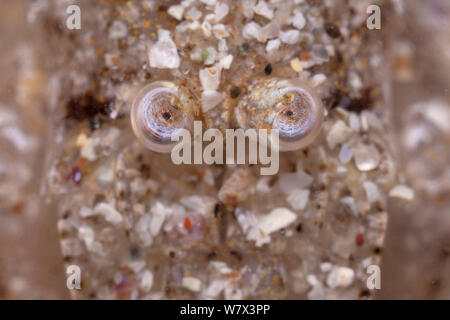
{"points": [[192, 284], [277, 219], [104, 209], [350, 203], [298, 20], [146, 280], [297, 66], [222, 45], [164, 53], [326, 266], [143, 230], [338, 134], [298, 199], [109, 213], [247, 8], [206, 28], [340, 277], [251, 30], [318, 79], [215, 288], [118, 30], [221, 267], [220, 31], [294, 180], [88, 149], [269, 31], [176, 11], [263, 184], [402, 192], [366, 157], [263, 9], [159, 213], [354, 122], [193, 14], [210, 78], [221, 10], [273, 45], [372, 192], [86, 234], [290, 36], [212, 55], [210, 99], [437, 112], [346, 154], [226, 61], [200, 204], [209, 2]]}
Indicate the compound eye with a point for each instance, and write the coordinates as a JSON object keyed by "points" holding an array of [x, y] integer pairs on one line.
{"points": [[157, 114], [299, 118]]}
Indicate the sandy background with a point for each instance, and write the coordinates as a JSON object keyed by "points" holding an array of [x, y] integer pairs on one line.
{"points": [[416, 257]]}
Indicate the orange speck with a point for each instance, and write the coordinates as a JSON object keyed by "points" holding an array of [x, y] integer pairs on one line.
{"points": [[117, 62], [100, 51], [17, 208], [305, 56], [187, 223], [234, 274], [83, 164], [147, 24]]}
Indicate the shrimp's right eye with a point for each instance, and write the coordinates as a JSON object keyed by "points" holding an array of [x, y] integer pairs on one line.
{"points": [[300, 116], [289, 106]]}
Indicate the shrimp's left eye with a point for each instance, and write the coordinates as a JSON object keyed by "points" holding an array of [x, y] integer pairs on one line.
{"points": [[157, 114]]}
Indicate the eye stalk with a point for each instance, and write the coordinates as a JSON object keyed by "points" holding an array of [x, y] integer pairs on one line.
{"points": [[157, 113], [287, 105]]}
